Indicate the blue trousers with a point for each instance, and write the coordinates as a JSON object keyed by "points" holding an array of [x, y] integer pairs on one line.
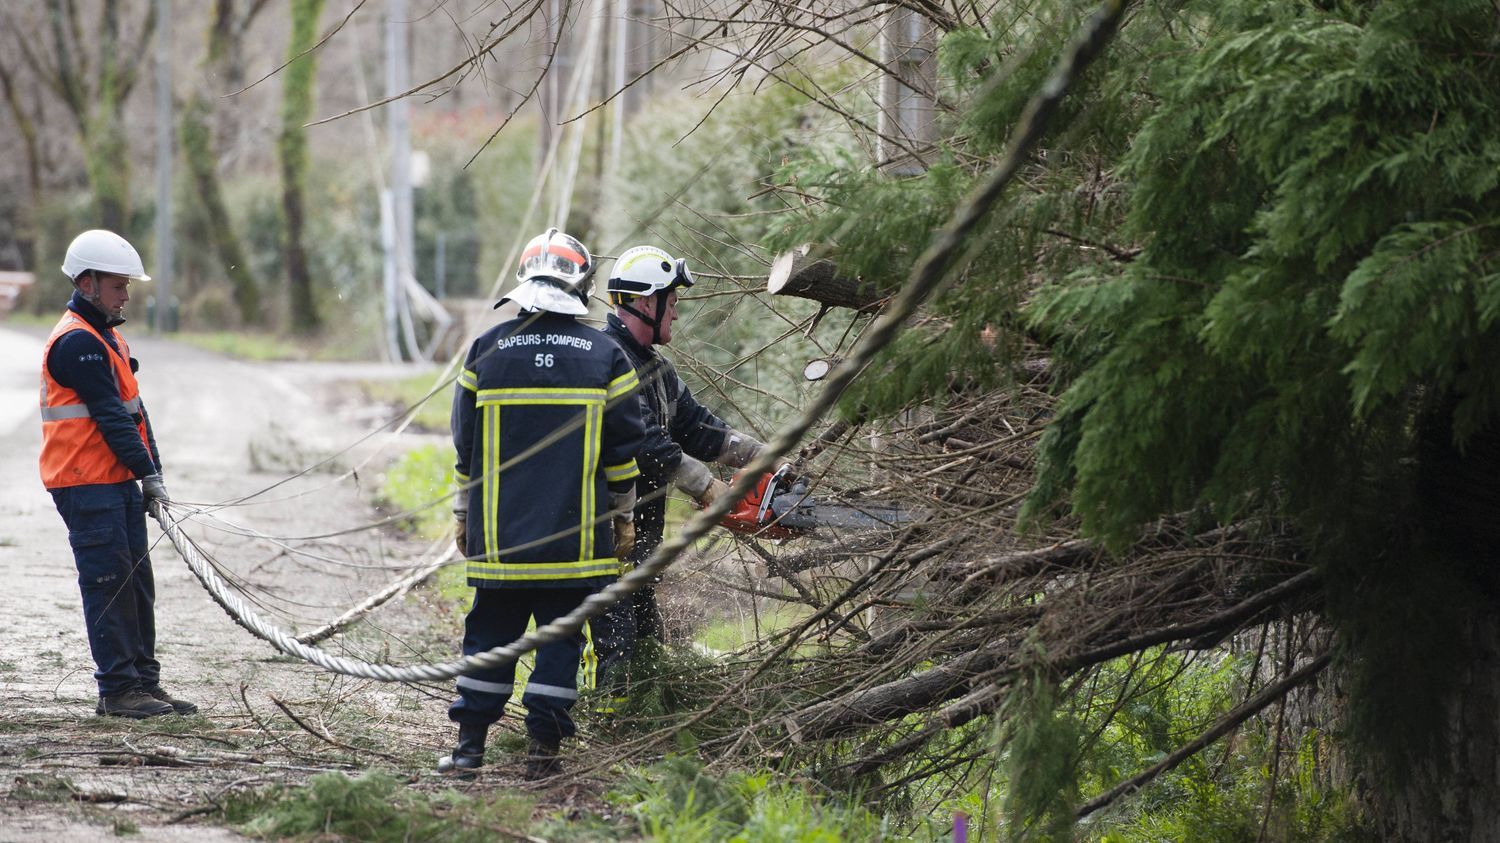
{"points": [[614, 634], [107, 529], [499, 616]]}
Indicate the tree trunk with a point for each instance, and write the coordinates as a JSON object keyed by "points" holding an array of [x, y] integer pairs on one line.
{"points": [[793, 274], [202, 161], [297, 99], [26, 227], [1453, 794]]}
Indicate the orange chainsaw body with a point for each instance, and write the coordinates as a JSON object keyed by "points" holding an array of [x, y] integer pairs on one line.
{"points": [[752, 514]]}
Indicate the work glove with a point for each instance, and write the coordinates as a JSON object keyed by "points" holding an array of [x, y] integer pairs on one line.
{"points": [[624, 537], [715, 490], [739, 450], [153, 490], [461, 522]]}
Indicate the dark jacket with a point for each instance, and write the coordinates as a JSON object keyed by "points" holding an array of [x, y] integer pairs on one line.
{"points": [[675, 424], [546, 424], [78, 361]]}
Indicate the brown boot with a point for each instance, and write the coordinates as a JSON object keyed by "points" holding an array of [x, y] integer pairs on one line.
{"points": [[134, 703], [179, 706]]}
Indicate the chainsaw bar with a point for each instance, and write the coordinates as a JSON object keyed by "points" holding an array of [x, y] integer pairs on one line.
{"points": [[779, 508], [796, 510]]}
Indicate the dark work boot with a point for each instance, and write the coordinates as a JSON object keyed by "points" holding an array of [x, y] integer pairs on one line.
{"points": [[179, 706], [134, 703], [541, 760], [468, 755]]}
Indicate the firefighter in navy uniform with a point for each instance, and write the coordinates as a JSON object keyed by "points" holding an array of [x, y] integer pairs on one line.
{"points": [[546, 422], [681, 435], [96, 443]]}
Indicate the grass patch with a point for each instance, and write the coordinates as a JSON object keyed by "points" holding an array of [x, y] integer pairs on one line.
{"points": [[677, 800], [25, 319], [265, 347], [730, 634], [432, 416], [377, 808], [245, 346], [416, 482]]}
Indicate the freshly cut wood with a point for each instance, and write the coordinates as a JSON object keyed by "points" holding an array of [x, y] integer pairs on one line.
{"points": [[795, 274], [819, 368]]}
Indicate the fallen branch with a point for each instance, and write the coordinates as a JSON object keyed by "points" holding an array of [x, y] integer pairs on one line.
{"points": [[324, 736]]}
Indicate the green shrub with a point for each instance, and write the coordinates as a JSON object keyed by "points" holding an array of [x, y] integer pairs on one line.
{"points": [[417, 482], [676, 800]]}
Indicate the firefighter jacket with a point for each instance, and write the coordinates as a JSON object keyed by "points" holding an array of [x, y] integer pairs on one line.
{"points": [[546, 422], [94, 427], [676, 424]]}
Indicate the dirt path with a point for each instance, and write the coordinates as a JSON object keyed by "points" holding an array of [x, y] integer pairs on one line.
{"points": [[226, 429]]}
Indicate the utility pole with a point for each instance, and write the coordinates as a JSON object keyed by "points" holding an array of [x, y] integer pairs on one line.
{"points": [[399, 244], [908, 45], [166, 248]]}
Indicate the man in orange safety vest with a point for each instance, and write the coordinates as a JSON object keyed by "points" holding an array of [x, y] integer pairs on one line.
{"points": [[97, 443]]}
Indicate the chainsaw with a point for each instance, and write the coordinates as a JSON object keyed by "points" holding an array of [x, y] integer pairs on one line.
{"points": [[779, 507]]}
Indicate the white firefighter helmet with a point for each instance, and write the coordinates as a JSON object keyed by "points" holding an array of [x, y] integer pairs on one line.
{"points": [[645, 271], [103, 251], [555, 275]]}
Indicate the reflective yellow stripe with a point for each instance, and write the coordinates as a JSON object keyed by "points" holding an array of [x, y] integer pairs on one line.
{"points": [[469, 379], [592, 416], [534, 571], [623, 384], [491, 495], [540, 395], [623, 471], [463, 479], [590, 659]]}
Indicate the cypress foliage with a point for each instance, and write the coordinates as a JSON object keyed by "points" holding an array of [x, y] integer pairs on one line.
{"points": [[1312, 319], [1263, 251]]}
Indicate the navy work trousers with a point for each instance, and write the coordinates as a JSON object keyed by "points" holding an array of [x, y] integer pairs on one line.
{"points": [[499, 616], [107, 529], [615, 632]]}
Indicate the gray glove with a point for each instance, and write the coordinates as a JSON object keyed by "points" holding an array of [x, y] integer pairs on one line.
{"points": [[154, 489], [739, 450]]}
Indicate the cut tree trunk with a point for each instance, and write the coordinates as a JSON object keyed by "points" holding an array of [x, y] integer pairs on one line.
{"points": [[795, 274]]}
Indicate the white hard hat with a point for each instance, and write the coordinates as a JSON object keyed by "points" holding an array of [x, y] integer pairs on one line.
{"points": [[554, 275], [645, 271], [103, 251]]}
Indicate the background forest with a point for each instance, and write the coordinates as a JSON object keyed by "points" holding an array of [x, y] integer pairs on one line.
{"points": [[1196, 405]]}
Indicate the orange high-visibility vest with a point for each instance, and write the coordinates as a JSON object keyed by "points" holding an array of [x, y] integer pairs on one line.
{"points": [[74, 452]]}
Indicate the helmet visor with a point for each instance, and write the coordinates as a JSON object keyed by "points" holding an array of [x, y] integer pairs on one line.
{"points": [[552, 263], [684, 277]]}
